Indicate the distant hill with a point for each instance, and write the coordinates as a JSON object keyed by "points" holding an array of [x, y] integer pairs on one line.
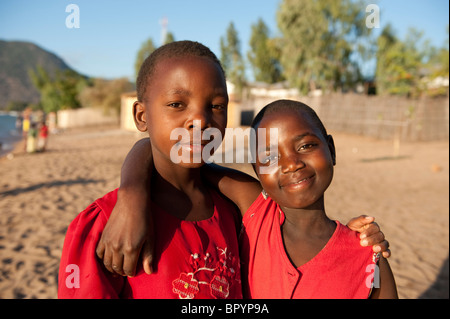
{"points": [[16, 58]]}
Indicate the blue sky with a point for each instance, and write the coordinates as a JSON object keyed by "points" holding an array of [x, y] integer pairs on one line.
{"points": [[111, 32]]}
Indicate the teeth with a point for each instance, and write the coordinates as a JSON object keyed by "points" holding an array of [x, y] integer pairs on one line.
{"points": [[299, 182]]}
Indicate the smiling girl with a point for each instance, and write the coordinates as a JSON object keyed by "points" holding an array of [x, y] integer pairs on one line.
{"points": [[290, 248]]}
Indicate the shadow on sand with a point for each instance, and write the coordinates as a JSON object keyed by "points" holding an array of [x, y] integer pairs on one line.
{"points": [[20, 190], [439, 289], [384, 158]]}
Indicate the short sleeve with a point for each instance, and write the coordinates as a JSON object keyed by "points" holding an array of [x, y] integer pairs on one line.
{"points": [[81, 273]]}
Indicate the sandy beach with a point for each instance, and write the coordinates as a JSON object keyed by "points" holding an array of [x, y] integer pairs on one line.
{"points": [[408, 194]]}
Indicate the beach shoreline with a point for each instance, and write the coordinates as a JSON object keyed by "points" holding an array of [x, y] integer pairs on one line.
{"points": [[41, 193], [10, 134], [11, 145]]}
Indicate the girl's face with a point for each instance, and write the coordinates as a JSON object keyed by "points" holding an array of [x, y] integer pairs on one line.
{"points": [[184, 92], [304, 166]]}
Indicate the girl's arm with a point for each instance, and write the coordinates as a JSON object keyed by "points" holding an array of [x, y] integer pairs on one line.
{"points": [[240, 188], [387, 288], [130, 226]]}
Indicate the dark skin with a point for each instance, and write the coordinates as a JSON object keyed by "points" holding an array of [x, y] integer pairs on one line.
{"points": [[297, 180], [183, 97]]}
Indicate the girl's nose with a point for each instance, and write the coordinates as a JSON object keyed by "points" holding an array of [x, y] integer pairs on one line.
{"points": [[198, 119], [290, 163]]}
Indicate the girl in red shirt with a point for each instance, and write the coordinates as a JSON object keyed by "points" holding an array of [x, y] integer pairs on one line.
{"points": [[180, 85], [287, 233]]}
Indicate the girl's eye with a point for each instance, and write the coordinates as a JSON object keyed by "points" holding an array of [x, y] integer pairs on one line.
{"points": [[175, 105], [218, 107], [306, 146]]}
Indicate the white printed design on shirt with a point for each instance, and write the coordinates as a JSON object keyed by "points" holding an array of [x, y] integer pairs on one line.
{"points": [[187, 285]]}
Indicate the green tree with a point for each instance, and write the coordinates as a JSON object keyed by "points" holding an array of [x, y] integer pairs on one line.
{"points": [[231, 58], [146, 49], [264, 54], [438, 61], [16, 106], [399, 62], [60, 91], [320, 39], [169, 38], [105, 94]]}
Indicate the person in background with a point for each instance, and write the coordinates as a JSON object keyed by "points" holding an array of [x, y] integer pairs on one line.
{"points": [[43, 136], [31, 144], [26, 127]]}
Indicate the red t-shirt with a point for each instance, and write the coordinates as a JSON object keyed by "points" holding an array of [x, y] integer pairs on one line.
{"points": [[43, 131], [342, 269], [193, 259]]}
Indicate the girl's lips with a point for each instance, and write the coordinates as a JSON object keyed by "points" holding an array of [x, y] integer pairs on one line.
{"points": [[193, 147], [297, 183]]}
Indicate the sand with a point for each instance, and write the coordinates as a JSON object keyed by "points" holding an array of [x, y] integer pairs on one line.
{"points": [[408, 194]]}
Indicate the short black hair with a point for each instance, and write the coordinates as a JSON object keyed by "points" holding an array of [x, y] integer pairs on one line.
{"points": [[170, 50], [282, 105]]}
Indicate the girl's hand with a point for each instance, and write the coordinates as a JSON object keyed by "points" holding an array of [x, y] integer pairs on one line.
{"points": [[371, 235], [127, 235]]}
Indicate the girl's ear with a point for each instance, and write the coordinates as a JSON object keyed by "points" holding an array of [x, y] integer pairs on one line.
{"points": [[332, 148], [140, 116]]}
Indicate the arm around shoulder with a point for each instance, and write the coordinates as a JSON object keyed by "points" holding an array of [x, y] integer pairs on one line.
{"points": [[241, 188], [129, 230]]}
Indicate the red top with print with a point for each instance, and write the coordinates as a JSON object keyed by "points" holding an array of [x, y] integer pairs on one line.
{"points": [[198, 259]]}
